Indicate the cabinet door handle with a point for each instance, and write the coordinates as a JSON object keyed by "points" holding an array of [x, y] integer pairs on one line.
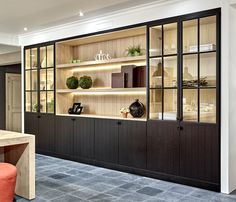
{"points": [[118, 123], [39, 116], [73, 119], [179, 127]]}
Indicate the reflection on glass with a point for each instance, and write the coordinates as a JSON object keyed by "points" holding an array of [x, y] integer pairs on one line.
{"points": [[190, 105], [43, 102], [34, 79], [43, 58], [28, 101], [27, 59], [190, 36], [50, 79], [208, 105], [155, 73], [50, 102], [43, 79], [170, 104], [34, 102], [208, 69], [50, 55], [208, 33], [155, 104], [170, 38], [190, 71], [34, 56], [27, 80], [155, 41], [170, 71]]}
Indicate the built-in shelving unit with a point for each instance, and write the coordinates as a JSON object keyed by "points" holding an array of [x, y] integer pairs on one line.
{"points": [[78, 57]]}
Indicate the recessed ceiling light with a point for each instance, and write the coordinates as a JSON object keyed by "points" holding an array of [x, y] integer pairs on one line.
{"points": [[25, 29], [81, 14]]}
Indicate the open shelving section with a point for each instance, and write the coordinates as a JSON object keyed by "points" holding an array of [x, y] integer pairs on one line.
{"points": [[77, 57]]}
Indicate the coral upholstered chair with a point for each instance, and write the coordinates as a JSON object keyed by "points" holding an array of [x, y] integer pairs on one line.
{"points": [[7, 182]]}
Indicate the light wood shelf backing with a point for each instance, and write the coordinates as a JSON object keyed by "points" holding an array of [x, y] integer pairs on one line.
{"points": [[103, 90], [102, 62]]}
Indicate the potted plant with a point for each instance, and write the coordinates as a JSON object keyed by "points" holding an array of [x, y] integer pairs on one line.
{"points": [[134, 50], [72, 82], [124, 111], [85, 82]]}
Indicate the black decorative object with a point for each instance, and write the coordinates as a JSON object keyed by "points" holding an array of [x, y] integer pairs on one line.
{"points": [[137, 109], [76, 109], [72, 82], [85, 82]]}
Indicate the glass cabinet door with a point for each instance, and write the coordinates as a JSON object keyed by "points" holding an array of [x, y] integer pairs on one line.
{"points": [[163, 71], [39, 79], [46, 79]]}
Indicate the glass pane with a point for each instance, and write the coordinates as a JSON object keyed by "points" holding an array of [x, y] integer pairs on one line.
{"points": [[190, 105], [190, 71], [34, 56], [43, 79], [50, 79], [155, 104], [34, 102], [155, 41], [208, 105], [170, 38], [50, 56], [27, 59], [170, 71], [50, 102], [28, 101], [43, 102], [170, 104], [34, 80], [208, 69], [155, 73], [27, 80], [208, 33], [43, 58], [190, 38]]}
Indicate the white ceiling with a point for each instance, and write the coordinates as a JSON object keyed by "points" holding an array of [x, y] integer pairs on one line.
{"points": [[4, 49], [41, 14]]}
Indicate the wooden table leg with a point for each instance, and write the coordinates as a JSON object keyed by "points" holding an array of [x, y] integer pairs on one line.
{"points": [[23, 157]]}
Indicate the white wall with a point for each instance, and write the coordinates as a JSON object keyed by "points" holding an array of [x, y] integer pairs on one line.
{"points": [[232, 99], [10, 58], [153, 12]]}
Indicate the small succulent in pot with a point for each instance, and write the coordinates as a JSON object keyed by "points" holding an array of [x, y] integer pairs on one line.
{"points": [[72, 82], [134, 50], [85, 82], [124, 111]]}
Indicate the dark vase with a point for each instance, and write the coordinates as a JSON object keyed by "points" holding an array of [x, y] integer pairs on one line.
{"points": [[137, 109]]}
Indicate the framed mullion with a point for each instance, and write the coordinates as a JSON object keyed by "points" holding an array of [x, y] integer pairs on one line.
{"points": [[180, 71], [162, 72], [46, 71], [147, 70], [198, 69], [38, 77], [31, 96]]}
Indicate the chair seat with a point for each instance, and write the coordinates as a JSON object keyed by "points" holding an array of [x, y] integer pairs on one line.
{"points": [[8, 171]]}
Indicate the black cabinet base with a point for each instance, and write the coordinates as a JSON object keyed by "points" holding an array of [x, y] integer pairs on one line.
{"points": [[138, 171]]}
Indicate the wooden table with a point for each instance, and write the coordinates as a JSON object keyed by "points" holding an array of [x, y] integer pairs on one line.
{"points": [[19, 150]]}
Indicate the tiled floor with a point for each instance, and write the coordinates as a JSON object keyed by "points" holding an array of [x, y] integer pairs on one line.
{"points": [[60, 180]]}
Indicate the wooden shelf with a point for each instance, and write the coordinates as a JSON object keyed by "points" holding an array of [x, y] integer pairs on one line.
{"points": [[103, 90], [103, 117], [103, 62]]}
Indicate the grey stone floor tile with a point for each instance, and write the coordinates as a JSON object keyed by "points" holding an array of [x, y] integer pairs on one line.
{"points": [[70, 188], [170, 196], [204, 194], [149, 191], [134, 197], [131, 186], [163, 185], [117, 192], [59, 176], [192, 199], [102, 198], [68, 198], [223, 198], [100, 187], [84, 194], [116, 182], [182, 189], [52, 194]]}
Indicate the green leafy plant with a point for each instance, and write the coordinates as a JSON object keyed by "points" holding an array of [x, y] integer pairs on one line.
{"points": [[72, 82], [35, 107], [85, 82], [134, 50]]}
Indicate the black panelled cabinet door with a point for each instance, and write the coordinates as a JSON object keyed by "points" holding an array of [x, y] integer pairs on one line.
{"points": [[31, 124], [132, 144], [199, 152], [64, 135], [106, 140], [46, 133], [163, 147], [84, 138]]}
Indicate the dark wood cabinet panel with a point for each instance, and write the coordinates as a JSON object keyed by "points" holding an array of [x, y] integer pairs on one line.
{"points": [[84, 138], [64, 135], [163, 147], [46, 133], [132, 144], [106, 140], [31, 124], [199, 152]]}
